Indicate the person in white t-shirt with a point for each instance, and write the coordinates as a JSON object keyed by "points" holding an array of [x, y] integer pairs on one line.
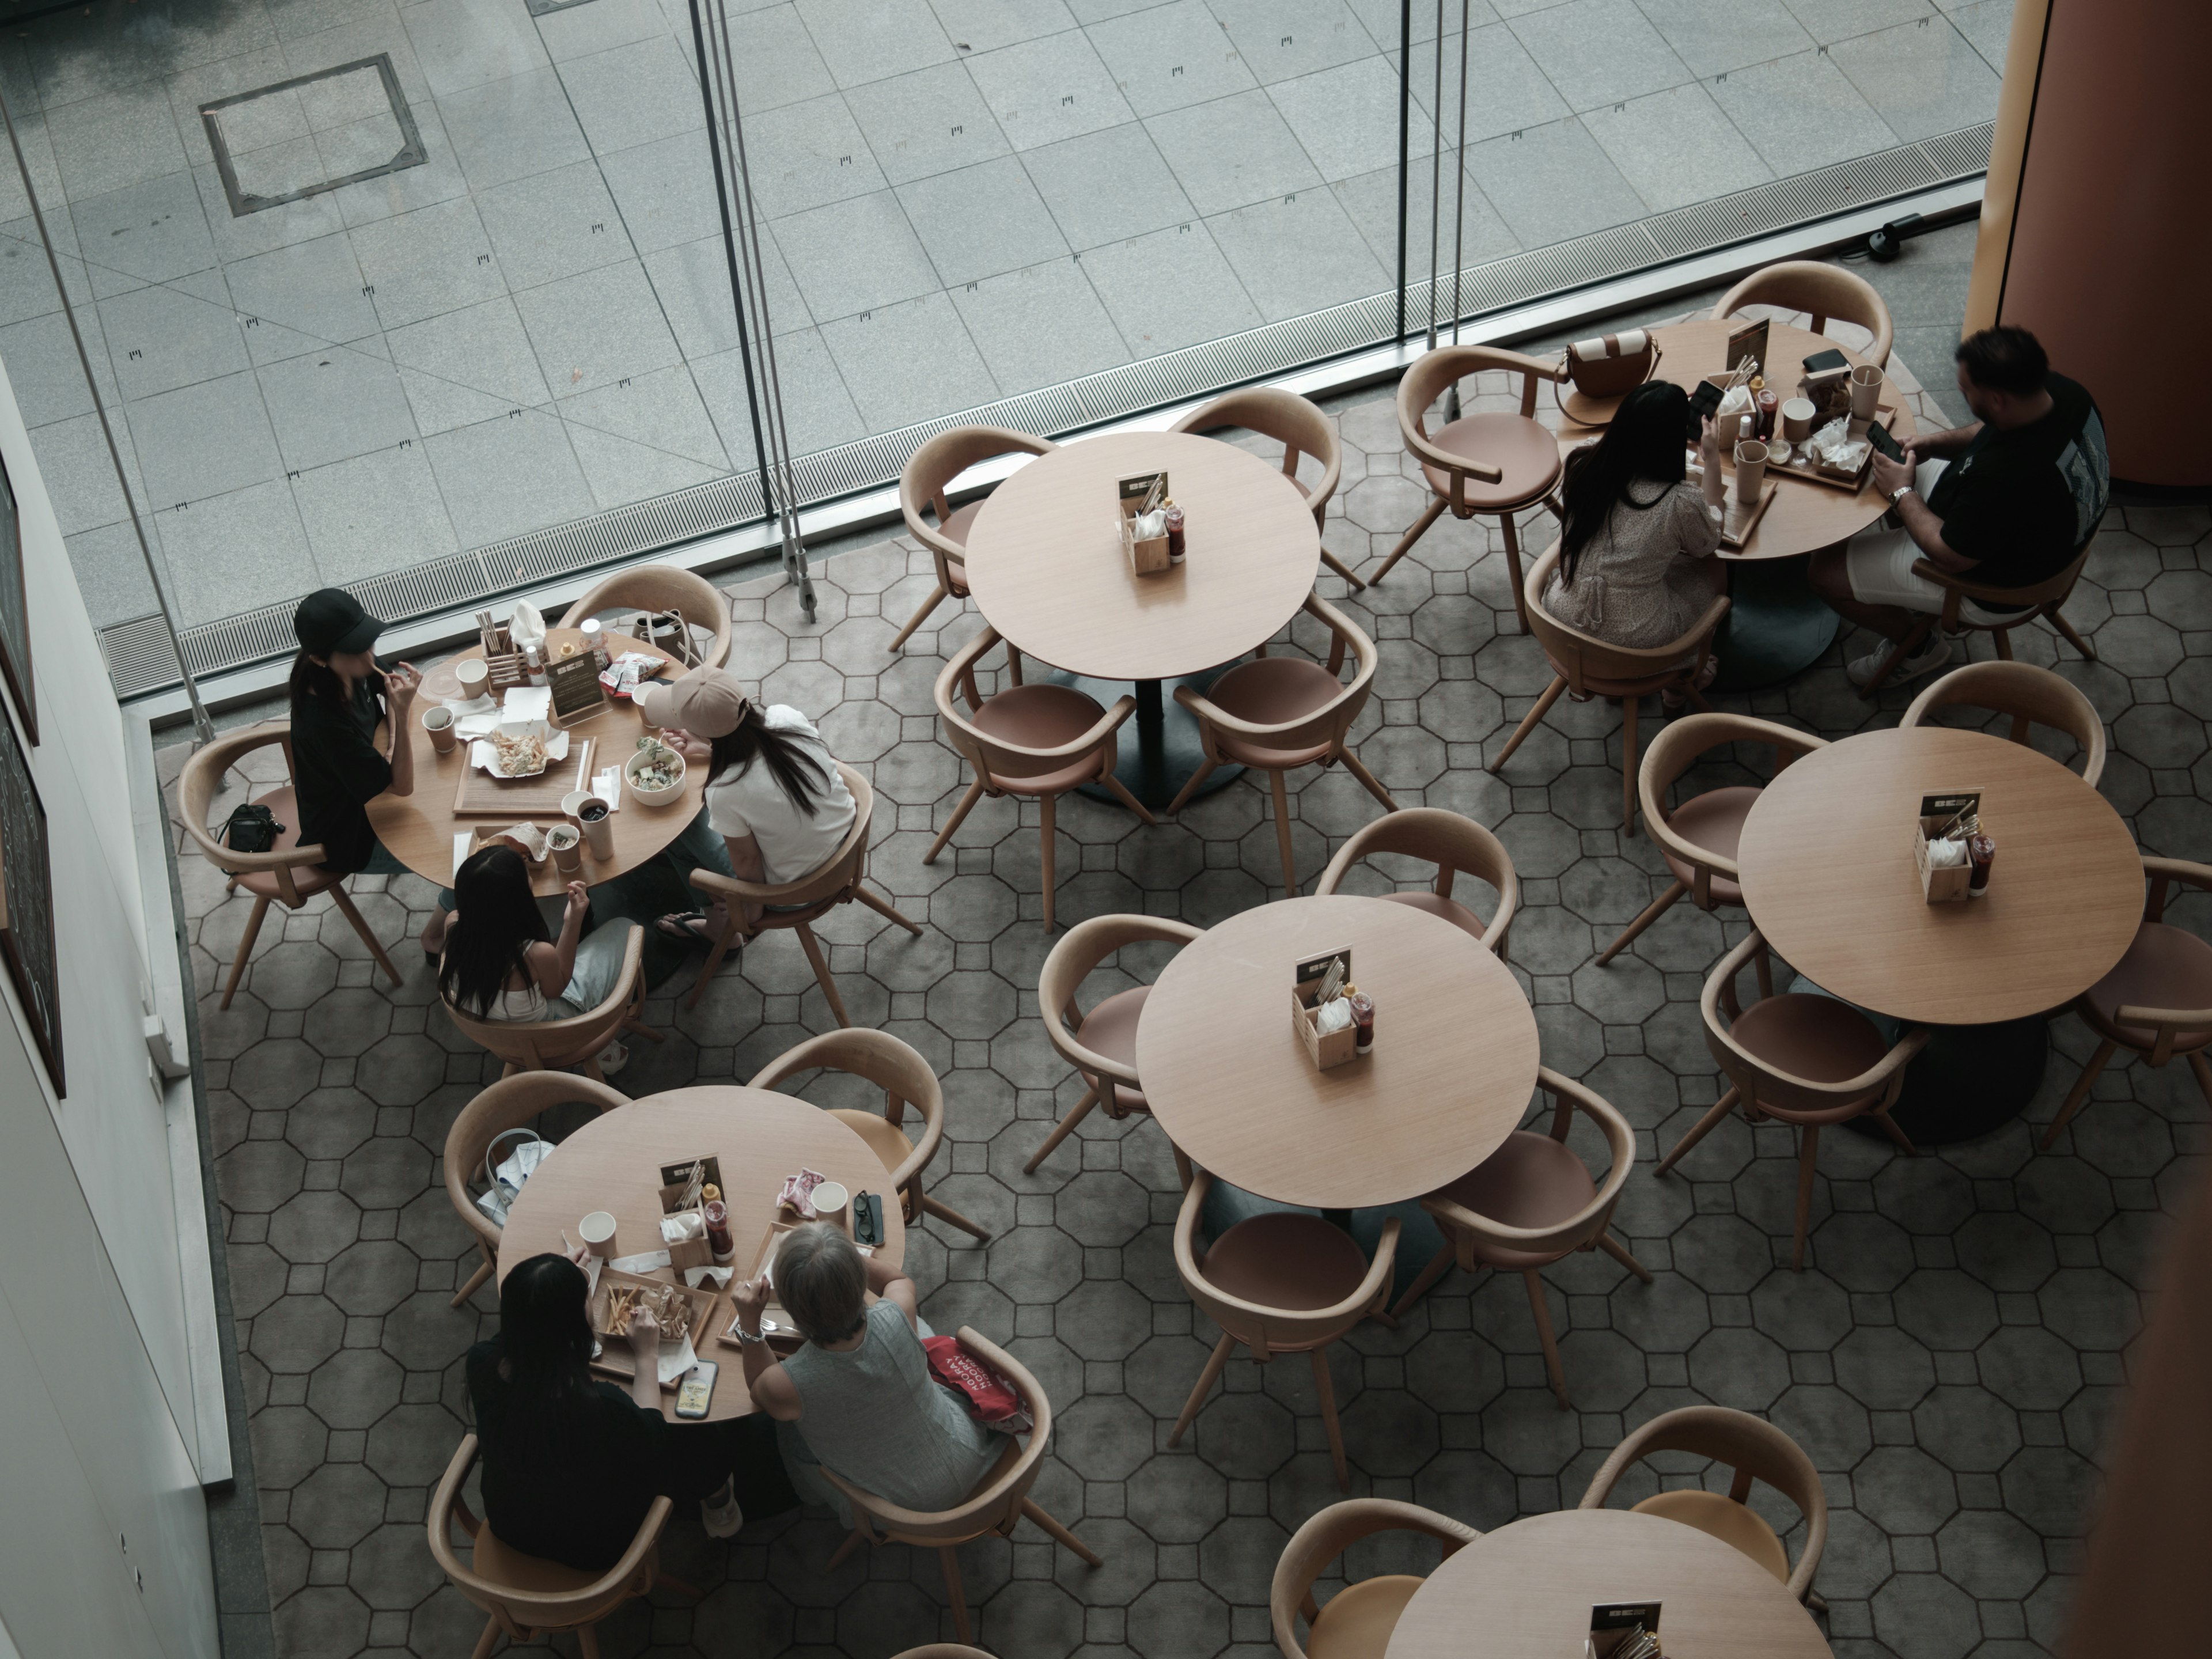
{"points": [[776, 807]]}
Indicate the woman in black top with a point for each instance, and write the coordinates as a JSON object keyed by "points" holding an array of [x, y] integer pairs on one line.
{"points": [[571, 1464]]}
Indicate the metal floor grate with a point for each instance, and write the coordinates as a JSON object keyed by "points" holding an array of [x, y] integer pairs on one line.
{"points": [[139, 656]]}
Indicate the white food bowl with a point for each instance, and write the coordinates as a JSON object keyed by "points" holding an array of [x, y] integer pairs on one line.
{"points": [[650, 797]]}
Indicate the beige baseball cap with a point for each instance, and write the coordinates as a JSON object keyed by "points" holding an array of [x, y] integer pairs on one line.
{"points": [[708, 702]]}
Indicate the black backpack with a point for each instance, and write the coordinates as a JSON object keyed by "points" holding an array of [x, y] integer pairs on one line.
{"points": [[250, 830]]}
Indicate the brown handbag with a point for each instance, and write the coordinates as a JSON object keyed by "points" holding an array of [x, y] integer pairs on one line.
{"points": [[1615, 373]]}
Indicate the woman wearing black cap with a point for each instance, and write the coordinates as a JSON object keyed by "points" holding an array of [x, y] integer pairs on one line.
{"points": [[339, 695]]}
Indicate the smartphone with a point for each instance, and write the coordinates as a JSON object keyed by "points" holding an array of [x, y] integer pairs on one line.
{"points": [[867, 1219], [1703, 403], [697, 1392], [1879, 436]]}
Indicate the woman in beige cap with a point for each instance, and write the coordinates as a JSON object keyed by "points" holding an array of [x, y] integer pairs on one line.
{"points": [[776, 806]]}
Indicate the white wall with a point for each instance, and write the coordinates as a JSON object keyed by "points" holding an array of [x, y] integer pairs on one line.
{"points": [[98, 1434]]}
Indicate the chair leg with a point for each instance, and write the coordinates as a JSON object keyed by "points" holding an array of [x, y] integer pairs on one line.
{"points": [[1513, 566], [343, 900], [1902, 1140], [952, 1217], [1358, 767], [475, 1280], [1205, 770], [959, 813], [1061, 1130], [1280, 790], [1061, 1534], [1341, 569], [1206, 1379], [2003, 640], [637, 1027], [682, 1587], [1619, 1251], [1631, 707], [1652, 912], [587, 1641], [2197, 1064], [488, 1641], [1439, 1265], [938, 596], [853, 1541], [1529, 719], [1182, 1159], [815, 959], [2073, 639], [1543, 1317], [1045, 830], [2079, 1092], [885, 908], [245, 949], [1122, 793], [1898, 653], [1808, 1141], [1703, 1127], [1420, 529], [949, 1559], [1327, 1391], [714, 956]]}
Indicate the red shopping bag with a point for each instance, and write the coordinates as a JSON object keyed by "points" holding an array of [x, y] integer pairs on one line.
{"points": [[990, 1399]]}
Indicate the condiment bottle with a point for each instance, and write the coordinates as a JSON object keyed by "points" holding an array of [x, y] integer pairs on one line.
{"points": [[595, 642], [1769, 404], [1981, 853], [717, 1230], [1362, 1019], [533, 664], [1174, 533]]}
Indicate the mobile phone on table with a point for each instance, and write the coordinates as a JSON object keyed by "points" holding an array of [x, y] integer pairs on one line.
{"points": [[867, 1219], [697, 1392], [1704, 402], [1885, 444]]}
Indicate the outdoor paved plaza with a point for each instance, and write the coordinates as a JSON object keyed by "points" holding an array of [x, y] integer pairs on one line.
{"points": [[969, 198], [1949, 1358]]}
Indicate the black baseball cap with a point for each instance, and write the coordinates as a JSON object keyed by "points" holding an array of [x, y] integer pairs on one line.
{"points": [[331, 619]]}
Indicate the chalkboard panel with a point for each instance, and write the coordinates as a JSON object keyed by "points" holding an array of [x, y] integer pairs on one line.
{"points": [[26, 902], [577, 693], [14, 612]]}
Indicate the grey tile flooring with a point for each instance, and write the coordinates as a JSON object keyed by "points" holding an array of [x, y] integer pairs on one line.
{"points": [[1949, 1359], [941, 158]]}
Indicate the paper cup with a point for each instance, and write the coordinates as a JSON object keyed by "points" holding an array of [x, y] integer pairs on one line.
{"points": [[1866, 392], [572, 801], [1750, 470], [597, 1230], [1797, 419], [831, 1204], [566, 842], [473, 677], [438, 721], [599, 832]]}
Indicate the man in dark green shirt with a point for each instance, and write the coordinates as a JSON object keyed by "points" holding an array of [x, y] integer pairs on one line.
{"points": [[2010, 499]]}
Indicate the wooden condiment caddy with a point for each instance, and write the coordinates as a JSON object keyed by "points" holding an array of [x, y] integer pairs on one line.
{"points": [[1940, 884], [1325, 1049], [679, 1195], [1149, 555]]}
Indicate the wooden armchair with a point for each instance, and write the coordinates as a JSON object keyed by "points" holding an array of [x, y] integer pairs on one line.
{"points": [[1825, 291], [1297, 424], [930, 471], [550, 1045], [2043, 600], [512, 1102], [1357, 1621], [2030, 695], [1453, 844], [658, 588]]}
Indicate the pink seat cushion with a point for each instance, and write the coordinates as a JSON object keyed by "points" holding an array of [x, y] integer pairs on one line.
{"points": [[1532, 1181], [1041, 717], [1526, 454], [307, 879], [2164, 968], [1815, 1037], [1273, 691], [1295, 1262], [1110, 1029], [1450, 910], [1714, 822], [955, 530]]}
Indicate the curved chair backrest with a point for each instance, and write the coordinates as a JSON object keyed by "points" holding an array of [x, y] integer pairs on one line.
{"points": [[1677, 748], [1293, 422], [1587, 1223], [930, 471], [1751, 1446], [996, 1502], [510, 1103], [1823, 290], [997, 761], [1590, 664], [658, 588], [518, 1610], [201, 781], [1433, 371], [942, 1651], [830, 883], [882, 1060], [1327, 725], [534, 1045], [2164, 1024], [1265, 1329], [1783, 1094], [1076, 952], [1327, 1533], [1449, 841], [2031, 695]]}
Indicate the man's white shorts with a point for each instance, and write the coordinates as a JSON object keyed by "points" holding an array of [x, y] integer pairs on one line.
{"points": [[1879, 562]]}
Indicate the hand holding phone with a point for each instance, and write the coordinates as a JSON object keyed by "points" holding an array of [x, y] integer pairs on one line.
{"points": [[1885, 442], [1705, 403]]}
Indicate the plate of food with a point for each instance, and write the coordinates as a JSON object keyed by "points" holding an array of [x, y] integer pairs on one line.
{"points": [[519, 748]]}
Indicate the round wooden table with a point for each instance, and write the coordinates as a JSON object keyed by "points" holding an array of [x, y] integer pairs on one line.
{"points": [[419, 828], [612, 1164], [1828, 877], [1450, 1075], [1045, 568], [1525, 1591], [1775, 625]]}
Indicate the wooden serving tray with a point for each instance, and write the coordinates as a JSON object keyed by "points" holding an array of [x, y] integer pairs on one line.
{"points": [[615, 1360], [1738, 522], [482, 796], [1801, 466]]}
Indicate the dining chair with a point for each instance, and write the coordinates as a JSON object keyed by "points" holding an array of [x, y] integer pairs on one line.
{"points": [[288, 874], [2033, 696], [942, 1651], [930, 471], [512, 1102], [798, 905], [552, 1045], [655, 588], [1028, 740], [1101, 1045], [997, 1504], [527, 1596], [1297, 424], [1455, 844], [2157, 1000], [1586, 667], [1801, 1058], [1357, 1622], [1272, 713], [1698, 838], [1753, 1449], [1280, 1282], [1532, 1202], [906, 1080], [1491, 463], [1824, 290], [2042, 600]]}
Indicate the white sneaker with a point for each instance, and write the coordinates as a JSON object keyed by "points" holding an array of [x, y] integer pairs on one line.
{"points": [[724, 1519], [1931, 656], [612, 1059]]}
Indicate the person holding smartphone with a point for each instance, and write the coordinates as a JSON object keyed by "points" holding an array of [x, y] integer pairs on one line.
{"points": [[2006, 501]]}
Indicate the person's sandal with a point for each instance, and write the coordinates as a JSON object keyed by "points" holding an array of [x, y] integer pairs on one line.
{"points": [[687, 925], [724, 1518]]}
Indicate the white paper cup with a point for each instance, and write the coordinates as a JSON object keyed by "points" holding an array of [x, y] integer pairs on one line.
{"points": [[1797, 419], [565, 841], [597, 1230], [473, 677], [438, 721], [831, 1202], [572, 801], [1866, 392], [598, 834], [1750, 470]]}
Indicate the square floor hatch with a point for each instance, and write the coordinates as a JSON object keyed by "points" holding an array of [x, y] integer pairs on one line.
{"points": [[312, 133]]}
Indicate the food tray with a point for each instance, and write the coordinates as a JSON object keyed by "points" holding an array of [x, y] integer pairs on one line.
{"points": [[481, 794], [1739, 521], [1799, 465], [615, 1359]]}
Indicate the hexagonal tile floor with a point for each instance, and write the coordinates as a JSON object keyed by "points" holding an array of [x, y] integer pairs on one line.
{"points": [[1949, 1358]]}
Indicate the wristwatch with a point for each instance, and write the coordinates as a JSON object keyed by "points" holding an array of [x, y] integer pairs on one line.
{"points": [[747, 1339], [1899, 494]]}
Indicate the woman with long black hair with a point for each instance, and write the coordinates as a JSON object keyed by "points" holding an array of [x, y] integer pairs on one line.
{"points": [[570, 1464], [501, 962], [1636, 549]]}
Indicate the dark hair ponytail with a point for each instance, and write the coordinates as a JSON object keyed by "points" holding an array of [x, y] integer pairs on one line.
{"points": [[496, 920], [315, 679], [797, 773], [1646, 441], [545, 1337]]}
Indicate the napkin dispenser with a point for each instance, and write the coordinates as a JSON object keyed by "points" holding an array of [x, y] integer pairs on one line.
{"points": [[1315, 979], [1946, 870], [682, 1211], [1144, 537]]}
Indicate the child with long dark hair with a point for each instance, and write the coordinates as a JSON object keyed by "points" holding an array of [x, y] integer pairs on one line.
{"points": [[571, 1464], [501, 962]]}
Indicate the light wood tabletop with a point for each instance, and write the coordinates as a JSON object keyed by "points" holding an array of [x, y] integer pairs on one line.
{"points": [[1045, 564], [612, 1164], [1829, 877], [419, 828], [1450, 1075], [1525, 1592], [1803, 515]]}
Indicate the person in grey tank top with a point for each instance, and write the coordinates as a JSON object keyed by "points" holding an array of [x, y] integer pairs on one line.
{"points": [[858, 1398]]}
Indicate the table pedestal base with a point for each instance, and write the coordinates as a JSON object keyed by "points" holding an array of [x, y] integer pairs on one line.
{"points": [[1776, 627], [1969, 1081], [1166, 750]]}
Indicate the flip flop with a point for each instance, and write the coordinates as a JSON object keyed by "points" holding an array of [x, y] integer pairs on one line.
{"points": [[681, 926]]}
